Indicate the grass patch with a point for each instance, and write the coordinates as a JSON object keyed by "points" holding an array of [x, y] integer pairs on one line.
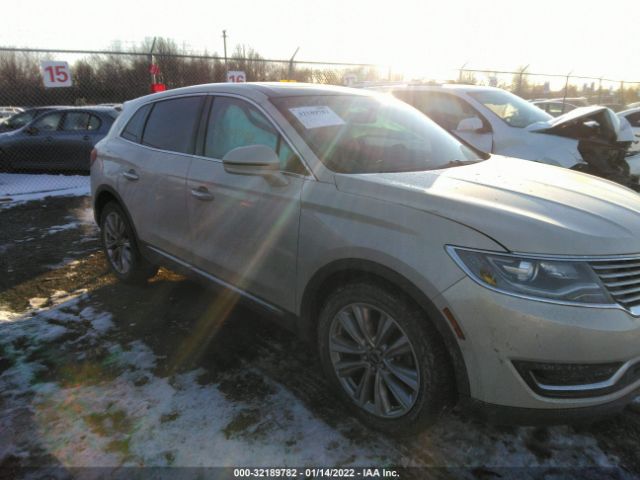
{"points": [[105, 424], [169, 417], [241, 422]]}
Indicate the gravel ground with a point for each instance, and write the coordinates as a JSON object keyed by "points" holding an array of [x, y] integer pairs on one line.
{"points": [[97, 373]]}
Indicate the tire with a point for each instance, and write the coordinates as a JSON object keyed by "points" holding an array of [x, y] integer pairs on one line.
{"points": [[120, 247], [426, 369]]}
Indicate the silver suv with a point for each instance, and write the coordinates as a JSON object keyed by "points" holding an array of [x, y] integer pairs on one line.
{"points": [[424, 271]]}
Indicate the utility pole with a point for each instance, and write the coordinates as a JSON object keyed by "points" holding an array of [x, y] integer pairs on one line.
{"points": [[566, 91], [224, 39]]}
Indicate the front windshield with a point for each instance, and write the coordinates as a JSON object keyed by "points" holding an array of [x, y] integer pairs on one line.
{"points": [[371, 134], [515, 111]]}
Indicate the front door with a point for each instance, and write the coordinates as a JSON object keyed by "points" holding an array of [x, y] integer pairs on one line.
{"points": [[34, 146], [245, 227]]}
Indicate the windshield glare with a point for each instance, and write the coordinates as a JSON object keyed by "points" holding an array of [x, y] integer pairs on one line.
{"points": [[515, 111], [371, 134]]}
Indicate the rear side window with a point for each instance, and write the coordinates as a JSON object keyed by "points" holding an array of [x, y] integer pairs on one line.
{"points": [[133, 130], [74, 121], [172, 124]]}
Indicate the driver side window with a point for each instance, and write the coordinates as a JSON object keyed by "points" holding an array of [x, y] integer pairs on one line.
{"points": [[444, 109], [235, 123], [48, 122]]}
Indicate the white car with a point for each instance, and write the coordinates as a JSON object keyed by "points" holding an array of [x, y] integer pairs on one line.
{"points": [[589, 139], [632, 116], [6, 112]]}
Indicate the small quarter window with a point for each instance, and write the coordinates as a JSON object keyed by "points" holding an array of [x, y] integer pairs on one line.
{"points": [[133, 130]]}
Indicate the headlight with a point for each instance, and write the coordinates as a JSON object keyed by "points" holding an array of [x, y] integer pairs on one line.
{"points": [[544, 279]]}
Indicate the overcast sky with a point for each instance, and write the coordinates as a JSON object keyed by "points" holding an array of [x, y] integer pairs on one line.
{"points": [[418, 37]]}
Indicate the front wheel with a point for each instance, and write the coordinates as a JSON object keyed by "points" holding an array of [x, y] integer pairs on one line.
{"points": [[120, 247], [384, 358]]}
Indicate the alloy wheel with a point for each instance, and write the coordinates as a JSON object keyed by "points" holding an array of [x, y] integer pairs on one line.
{"points": [[374, 360], [117, 243]]}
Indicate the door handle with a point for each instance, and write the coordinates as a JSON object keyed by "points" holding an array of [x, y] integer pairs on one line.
{"points": [[49, 138], [86, 137], [201, 193], [131, 175]]}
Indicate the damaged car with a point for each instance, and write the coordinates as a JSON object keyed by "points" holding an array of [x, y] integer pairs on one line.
{"points": [[588, 139]]}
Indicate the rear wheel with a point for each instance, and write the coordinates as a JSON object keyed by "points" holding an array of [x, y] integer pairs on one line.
{"points": [[120, 247], [384, 358]]}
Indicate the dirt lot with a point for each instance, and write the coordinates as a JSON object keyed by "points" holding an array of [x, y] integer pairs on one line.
{"points": [[96, 373]]}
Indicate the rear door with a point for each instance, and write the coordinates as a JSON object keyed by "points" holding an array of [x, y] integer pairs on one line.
{"points": [[75, 139], [153, 173], [244, 227]]}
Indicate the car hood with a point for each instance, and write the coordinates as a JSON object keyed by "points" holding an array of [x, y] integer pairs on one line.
{"points": [[612, 129], [523, 205]]}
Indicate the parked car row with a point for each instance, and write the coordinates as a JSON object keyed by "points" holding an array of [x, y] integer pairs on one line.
{"points": [[53, 138], [425, 270]]}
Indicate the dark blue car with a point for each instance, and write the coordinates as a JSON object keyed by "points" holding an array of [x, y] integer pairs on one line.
{"points": [[57, 140]]}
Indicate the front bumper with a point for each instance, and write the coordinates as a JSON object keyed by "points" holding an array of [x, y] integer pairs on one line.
{"points": [[503, 333]]}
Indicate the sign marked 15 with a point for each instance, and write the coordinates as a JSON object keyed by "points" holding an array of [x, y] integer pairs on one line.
{"points": [[55, 74], [236, 76]]}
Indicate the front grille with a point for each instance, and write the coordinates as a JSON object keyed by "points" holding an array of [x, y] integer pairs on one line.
{"points": [[622, 279]]}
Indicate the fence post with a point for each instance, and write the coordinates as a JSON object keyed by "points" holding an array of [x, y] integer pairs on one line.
{"points": [[151, 61], [566, 90], [600, 91], [290, 76], [519, 86], [461, 72]]}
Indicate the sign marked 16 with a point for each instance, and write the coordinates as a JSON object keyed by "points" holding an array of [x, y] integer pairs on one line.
{"points": [[55, 74], [236, 76]]}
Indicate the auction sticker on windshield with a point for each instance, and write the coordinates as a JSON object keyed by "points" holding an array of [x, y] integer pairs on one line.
{"points": [[317, 116]]}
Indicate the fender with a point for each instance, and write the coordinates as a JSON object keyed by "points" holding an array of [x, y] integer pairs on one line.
{"points": [[356, 267]]}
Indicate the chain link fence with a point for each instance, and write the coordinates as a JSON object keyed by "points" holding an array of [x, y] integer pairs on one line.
{"points": [[582, 90]]}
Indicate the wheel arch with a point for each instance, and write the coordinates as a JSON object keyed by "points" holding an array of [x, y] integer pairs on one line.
{"points": [[105, 194], [324, 280]]}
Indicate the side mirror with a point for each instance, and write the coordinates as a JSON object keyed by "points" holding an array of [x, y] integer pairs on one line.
{"points": [[470, 124], [254, 160], [32, 130]]}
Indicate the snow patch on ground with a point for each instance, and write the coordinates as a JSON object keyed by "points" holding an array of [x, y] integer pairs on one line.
{"points": [[17, 188], [138, 418]]}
